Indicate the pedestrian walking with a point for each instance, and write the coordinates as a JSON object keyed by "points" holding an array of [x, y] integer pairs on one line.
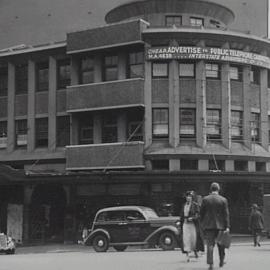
{"points": [[191, 233], [214, 216], [256, 224]]}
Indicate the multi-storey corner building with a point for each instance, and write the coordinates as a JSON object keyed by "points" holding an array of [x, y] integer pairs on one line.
{"points": [[165, 98]]}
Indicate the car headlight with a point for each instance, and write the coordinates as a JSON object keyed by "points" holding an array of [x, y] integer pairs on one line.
{"points": [[178, 223]]}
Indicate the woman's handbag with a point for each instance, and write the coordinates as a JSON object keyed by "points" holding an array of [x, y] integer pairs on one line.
{"points": [[224, 239]]}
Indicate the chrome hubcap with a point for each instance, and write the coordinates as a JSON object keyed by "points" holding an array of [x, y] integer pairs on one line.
{"points": [[100, 243], [168, 240]]}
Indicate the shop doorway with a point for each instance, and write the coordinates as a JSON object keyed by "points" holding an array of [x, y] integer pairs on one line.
{"points": [[47, 213]]}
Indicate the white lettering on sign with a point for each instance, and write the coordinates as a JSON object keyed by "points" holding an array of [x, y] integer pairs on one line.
{"points": [[216, 54]]}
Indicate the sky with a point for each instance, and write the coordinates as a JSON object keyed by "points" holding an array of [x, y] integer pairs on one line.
{"points": [[34, 22]]}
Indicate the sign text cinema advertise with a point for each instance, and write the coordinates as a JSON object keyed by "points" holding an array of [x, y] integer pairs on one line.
{"points": [[213, 54]]}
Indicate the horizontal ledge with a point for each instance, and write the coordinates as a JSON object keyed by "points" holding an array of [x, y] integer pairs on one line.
{"points": [[105, 108], [106, 144], [104, 167], [106, 47]]}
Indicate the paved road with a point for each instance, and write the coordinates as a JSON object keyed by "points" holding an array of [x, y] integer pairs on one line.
{"points": [[69, 257]]}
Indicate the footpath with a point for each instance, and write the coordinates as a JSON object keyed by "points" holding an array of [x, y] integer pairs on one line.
{"points": [[237, 240]]}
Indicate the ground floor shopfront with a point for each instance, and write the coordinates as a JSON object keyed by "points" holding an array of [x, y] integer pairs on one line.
{"points": [[56, 208]]}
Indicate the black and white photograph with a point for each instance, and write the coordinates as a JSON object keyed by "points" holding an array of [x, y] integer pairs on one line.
{"points": [[134, 134]]}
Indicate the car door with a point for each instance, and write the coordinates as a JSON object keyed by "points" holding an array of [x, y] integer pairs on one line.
{"points": [[138, 227]]}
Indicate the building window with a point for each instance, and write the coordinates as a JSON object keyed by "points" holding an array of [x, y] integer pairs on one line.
{"points": [[42, 77], [42, 132], [87, 70], [235, 73], [216, 165], [3, 82], [63, 73], [241, 165], [212, 71], [21, 132], [255, 75], [110, 71], [160, 70], [136, 65], [189, 164], [260, 167], [269, 129], [21, 77], [135, 131], [62, 130], [255, 127], [173, 21], [195, 21], [160, 164], [268, 79], [160, 123], [187, 70], [109, 128], [86, 130], [236, 125], [213, 123], [187, 122], [3, 134]]}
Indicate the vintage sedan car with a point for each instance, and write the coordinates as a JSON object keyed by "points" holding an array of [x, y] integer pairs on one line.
{"points": [[124, 226], [7, 245]]}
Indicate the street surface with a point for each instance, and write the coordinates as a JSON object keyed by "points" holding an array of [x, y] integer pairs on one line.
{"points": [[74, 257]]}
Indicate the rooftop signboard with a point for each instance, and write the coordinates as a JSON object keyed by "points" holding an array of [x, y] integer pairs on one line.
{"points": [[207, 53]]}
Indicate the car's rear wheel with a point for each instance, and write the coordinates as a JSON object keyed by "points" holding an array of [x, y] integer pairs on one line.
{"points": [[167, 241], [100, 243], [120, 248]]}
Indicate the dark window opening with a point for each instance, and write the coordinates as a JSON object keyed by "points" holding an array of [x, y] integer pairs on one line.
{"points": [[86, 130], [255, 127], [260, 167], [188, 164], [42, 77], [63, 73], [240, 165], [136, 65], [62, 130], [21, 79], [216, 165], [255, 75], [42, 132], [160, 164], [173, 21], [110, 70], [21, 132], [187, 123], [87, 70], [109, 128], [3, 82], [160, 123]]}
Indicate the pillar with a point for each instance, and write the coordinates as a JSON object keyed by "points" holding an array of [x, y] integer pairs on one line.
{"points": [[174, 101], [264, 109], [247, 110], [52, 104], [31, 106], [174, 164], [226, 105], [11, 108], [229, 165], [148, 102], [28, 191], [203, 165]]}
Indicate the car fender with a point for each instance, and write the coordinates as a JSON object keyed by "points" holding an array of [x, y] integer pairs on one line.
{"points": [[154, 236], [88, 240]]}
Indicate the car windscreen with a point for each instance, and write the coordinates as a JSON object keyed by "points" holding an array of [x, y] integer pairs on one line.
{"points": [[150, 213]]}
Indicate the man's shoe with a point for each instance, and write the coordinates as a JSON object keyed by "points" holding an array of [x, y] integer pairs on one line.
{"points": [[210, 267], [221, 263]]}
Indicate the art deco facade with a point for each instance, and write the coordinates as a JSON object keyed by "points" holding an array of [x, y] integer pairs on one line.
{"points": [[162, 99]]}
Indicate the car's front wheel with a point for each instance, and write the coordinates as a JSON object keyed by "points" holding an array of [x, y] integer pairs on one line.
{"points": [[167, 241], [120, 248], [100, 243]]}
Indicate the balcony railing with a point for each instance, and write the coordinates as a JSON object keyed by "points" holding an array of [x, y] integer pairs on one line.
{"points": [[124, 155], [105, 95]]}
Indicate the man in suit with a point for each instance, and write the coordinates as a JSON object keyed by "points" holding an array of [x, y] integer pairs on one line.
{"points": [[214, 216]]}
